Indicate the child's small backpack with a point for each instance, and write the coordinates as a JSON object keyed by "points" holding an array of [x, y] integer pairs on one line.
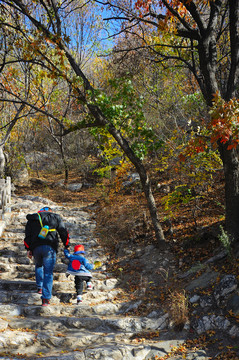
{"points": [[44, 229]]}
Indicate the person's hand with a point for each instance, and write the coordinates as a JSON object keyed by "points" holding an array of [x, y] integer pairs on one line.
{"points": [[29, 254], [66, 251]]}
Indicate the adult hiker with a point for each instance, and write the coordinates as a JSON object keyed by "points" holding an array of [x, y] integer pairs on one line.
{"points": [[41, 241]]}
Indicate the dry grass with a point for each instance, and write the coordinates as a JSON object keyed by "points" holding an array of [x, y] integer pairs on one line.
{"points": [[178, 308]]}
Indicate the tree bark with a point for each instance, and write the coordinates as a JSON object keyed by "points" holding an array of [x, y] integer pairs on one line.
{"points": [[2, 163], [207, 51], [231, 173], [66, 171], [234, 42], [145, 182]]}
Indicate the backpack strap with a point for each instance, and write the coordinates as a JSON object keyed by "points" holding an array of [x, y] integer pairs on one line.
{"points": [[40, 219]]}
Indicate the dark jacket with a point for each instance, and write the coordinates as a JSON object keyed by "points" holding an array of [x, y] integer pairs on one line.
{"points": [[33, 227]]}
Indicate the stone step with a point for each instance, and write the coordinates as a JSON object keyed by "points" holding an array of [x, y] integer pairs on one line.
{"points": [[92, 298], [61, 283], [57, 318], [51, 336], [17, 259], [33, 308], [80, 345], [22, 284]]}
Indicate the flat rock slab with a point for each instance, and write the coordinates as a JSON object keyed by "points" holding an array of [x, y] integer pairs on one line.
{"points": [[203, 281]]}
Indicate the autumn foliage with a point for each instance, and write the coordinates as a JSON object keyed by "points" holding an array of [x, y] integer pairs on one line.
{"points": [[224, 125]]}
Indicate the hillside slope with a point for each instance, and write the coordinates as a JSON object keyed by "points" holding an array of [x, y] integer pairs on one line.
{"points": [[194, 280]]}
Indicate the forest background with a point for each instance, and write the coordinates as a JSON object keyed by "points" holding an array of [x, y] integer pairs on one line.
{"points": [[158, 94], [137, 101]]}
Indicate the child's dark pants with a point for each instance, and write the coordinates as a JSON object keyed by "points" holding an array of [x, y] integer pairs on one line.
{"points": [[79, 283]]}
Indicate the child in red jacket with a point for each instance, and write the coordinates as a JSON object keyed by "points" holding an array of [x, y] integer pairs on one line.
{"points": [[79, 267]]}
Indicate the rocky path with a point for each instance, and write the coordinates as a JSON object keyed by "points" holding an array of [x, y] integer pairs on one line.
{"points": [[98, 328]]}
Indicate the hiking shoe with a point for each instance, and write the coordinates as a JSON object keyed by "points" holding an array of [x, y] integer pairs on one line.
{"points": [[39, 290], [45, 302], [89, 286], [78, 299]]}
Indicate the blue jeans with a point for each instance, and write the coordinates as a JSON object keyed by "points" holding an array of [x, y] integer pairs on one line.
{"points": [[45, 259]]}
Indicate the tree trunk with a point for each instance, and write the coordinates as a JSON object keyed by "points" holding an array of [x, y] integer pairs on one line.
{"points": [[66, 171], [207, 50], [231, 172], [2, 163], [145, 181], [234, 41]]}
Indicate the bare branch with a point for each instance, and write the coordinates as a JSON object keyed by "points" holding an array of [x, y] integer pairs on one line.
{"points": [[12, 123]]}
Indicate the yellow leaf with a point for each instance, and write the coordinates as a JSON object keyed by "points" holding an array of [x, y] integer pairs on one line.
{"points": [[97, 264]]}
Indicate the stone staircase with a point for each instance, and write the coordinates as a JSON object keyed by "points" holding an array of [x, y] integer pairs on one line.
{"points": [[98, 328]]}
